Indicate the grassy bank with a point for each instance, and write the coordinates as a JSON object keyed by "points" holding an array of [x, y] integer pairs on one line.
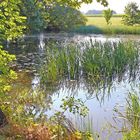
{"points": [[97, 25]]}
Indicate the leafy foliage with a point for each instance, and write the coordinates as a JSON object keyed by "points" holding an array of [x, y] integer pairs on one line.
{"points": [[64, 18], [6, 77], [74, 3], [35, 13], [107, 15], [132, 14], [40, 13], [17, 15], [6, 74], [11, 23], [75, 106]]}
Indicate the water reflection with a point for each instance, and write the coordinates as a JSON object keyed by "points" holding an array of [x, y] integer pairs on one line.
{"points": [[100, 95]]}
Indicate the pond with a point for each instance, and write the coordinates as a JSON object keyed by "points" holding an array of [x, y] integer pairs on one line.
{"points": [[101, 95]]}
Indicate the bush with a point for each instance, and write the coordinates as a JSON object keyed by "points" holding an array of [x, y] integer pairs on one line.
{"points": [[132, 14], [64, 18]]}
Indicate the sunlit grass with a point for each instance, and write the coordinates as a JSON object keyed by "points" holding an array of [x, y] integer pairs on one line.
{"points": [[100, 21], [98, 26]]}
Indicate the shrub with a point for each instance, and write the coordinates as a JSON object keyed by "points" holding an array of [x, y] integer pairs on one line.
{"points": [[64, 18], [132, 14]]}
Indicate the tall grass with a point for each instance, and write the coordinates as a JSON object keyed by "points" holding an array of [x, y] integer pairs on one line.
{"points": [[61, 62], [133, 111], [133, 118], [109, 60], [101, 63]]}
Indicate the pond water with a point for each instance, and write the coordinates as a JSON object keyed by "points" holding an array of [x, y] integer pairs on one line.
{"points": [[30, 52]]}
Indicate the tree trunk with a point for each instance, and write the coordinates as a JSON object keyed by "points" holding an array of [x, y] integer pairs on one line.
{"points": [[3, 120]]}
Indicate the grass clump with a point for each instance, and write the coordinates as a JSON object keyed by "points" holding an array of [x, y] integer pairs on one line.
{"points": [[133, 118], [60, 63], [109, 61], [101, 63]]}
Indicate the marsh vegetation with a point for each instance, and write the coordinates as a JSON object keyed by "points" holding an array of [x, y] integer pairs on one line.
{"points": [[66, 86], [70, 78]]}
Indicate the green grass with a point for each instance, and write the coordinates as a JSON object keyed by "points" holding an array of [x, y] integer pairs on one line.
{"points": [[60, 63], [100, 63], [101, 15], [98, 25], [100, 21], [133, 118]]}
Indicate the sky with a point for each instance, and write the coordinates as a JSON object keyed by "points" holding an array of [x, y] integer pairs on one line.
{"points": [[116, 5]]}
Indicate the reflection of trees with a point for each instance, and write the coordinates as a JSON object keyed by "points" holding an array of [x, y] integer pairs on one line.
{"points": [[66, 55], [24, 46]]}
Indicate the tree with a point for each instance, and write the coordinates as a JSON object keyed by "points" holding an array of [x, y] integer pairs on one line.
{"points": [[73, 3], [35, 13], [41, 13], [6, 76], [64, 18], [107, 15], [11, 22], [132, 14], [11, 27]]}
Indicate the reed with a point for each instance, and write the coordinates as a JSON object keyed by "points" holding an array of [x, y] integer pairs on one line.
{"points": [[61, 62], [133, 118], [99, 63], [109, 61]]}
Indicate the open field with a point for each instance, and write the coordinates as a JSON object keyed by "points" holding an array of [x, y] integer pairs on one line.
{"points": [[98, 25], [100, 21], [101, 15]]}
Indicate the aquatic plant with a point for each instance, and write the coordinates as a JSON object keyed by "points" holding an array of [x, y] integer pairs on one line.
{"points": [[60, 63], [131, 118], [133, 111], [108, 61], [98, 63]]}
